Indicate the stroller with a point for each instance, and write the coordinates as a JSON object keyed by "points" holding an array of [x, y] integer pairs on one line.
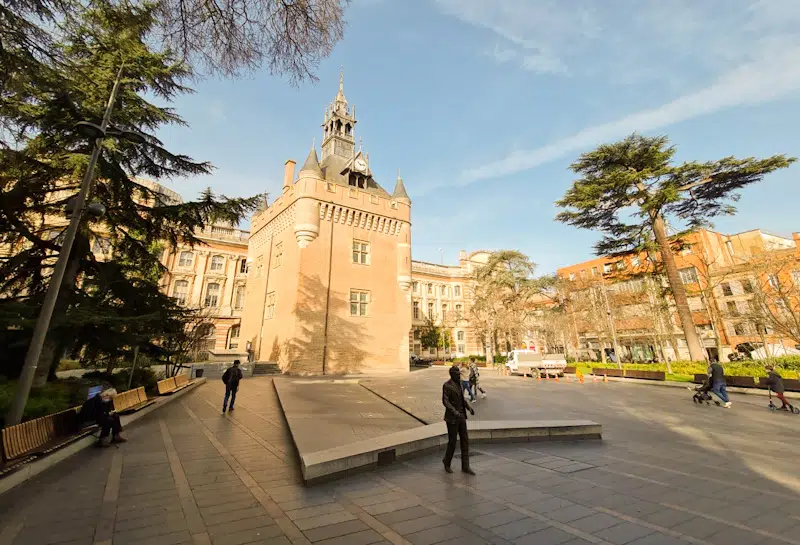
{"points": [[702, 393]]}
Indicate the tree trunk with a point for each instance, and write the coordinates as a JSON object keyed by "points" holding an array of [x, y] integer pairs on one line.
{"points": [[696, 351]]}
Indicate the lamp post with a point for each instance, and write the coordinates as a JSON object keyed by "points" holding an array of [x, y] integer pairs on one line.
{"points": [[98, 133]]}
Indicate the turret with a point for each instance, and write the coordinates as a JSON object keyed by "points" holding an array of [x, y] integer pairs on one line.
{"points": [[400, 193], [311, 166], [404, 257]]}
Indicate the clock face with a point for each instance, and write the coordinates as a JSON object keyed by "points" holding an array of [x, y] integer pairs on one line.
{"points": [[360, 164]]}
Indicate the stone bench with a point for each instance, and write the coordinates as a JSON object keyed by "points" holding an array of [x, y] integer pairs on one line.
{"points": [[383, 450], [599, 372]]}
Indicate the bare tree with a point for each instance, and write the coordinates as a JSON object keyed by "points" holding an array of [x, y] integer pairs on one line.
{"points": [[775, 304], [290, 37]]}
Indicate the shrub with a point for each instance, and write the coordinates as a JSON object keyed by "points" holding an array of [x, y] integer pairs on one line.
{"points": [[142, 376]]}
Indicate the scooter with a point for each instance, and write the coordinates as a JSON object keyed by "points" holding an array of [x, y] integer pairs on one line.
{"points": [[773, 407]]}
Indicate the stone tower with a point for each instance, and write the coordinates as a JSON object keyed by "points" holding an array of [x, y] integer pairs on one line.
{"points": [[330, 263]]}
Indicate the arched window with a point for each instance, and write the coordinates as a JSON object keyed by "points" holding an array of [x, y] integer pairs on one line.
{"points": [[181, 291], [212, 294], [217, 263], [348, 129], [185, 259], [233, 337]]}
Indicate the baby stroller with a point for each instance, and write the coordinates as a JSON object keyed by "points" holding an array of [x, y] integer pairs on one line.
{"points": [[702, 394]]}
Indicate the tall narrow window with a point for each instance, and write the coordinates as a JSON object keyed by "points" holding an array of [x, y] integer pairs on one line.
{"points": [[212, 294], [217, 263], [277, 261], [443, 290], [430, 310], [430, 289], [459, 309], [460, 335], [270, 305], [774, 281], [726, 289], [181, 291], [457, 291], [416, 310], [185, 259], [359, 303], [243, 266], [238, 298], [414, 286], [444, 312], [361, 252], [259, 265], [233, 341], [747, 285]]}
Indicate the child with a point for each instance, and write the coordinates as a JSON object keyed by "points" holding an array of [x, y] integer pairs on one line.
{"points": [[775, 383]]}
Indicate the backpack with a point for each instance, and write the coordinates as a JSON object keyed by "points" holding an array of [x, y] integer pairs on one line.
{"points": [[226, 375]]}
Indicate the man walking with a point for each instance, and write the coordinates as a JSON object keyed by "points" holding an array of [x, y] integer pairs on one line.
{"points": [[455, 416], [464, 374], [717, 374], [231, 378]]}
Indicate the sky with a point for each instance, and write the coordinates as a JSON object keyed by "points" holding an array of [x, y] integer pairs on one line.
{"points": [[483, 105]]}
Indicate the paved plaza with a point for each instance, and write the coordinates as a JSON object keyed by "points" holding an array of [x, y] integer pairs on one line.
{"points": [[667, 472]]}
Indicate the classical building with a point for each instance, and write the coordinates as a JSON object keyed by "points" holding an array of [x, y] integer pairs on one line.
{"points": [[329, 279], [722, 274], [440, 294]]}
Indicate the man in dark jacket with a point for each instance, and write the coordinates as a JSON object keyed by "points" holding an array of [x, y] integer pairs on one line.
{"points": [[231, 378], [455, 415], [99, 409], [775, 383], [717, 374]]}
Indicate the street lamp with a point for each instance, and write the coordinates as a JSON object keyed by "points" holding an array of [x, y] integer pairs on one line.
{"points": [[75, 209]]}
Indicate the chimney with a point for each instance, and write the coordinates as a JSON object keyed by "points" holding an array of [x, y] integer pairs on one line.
{"points": [[288, 175], [796, 239]]}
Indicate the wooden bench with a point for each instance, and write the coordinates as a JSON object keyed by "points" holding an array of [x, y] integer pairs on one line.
{"points": [[173, 384], [24, 442], [569, 370], [789, 384], [131, 401]]}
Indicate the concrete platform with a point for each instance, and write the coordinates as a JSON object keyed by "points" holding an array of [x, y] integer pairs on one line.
{"points": [[384, 450]]}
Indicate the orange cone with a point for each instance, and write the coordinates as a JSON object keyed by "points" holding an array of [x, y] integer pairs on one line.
{"points": [[538, 376], [556, 377], [581, 378], [605, 378]]}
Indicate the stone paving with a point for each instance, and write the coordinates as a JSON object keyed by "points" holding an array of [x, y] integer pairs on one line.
{"points": [[667, 473], [346, 411]]}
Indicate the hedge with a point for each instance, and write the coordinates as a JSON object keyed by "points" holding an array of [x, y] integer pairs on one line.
{"points": [[690, 368]]}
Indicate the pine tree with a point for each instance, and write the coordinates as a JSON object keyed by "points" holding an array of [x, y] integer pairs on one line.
{"points": [[627, 190], [106, 306]]}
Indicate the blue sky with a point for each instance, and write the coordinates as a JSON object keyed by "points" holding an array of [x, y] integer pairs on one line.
{"points": [[482, 105]]}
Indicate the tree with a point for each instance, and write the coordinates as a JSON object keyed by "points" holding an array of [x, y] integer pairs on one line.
{"points": [[628, 189], [775, 305], [430, 335], [289, 37], [501, 293], [107, 306]]}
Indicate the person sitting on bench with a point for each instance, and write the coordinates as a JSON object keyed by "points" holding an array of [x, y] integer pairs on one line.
{"points": [[99, 409]]}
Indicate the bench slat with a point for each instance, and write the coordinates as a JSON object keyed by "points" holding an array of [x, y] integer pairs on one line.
{"points": [[28, 437]]}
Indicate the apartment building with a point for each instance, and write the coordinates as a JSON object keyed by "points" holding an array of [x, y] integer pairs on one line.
{"points": [[620, 296]]}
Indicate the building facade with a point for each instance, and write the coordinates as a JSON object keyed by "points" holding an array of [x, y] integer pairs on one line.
{"points": [[622, 297], [329, 279]]}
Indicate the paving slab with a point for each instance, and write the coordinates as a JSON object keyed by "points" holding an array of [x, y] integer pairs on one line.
{"points": [[675, 451]]}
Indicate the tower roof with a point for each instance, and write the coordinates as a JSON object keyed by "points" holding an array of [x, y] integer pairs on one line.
{"points": [[400, 189], [312, 162]]}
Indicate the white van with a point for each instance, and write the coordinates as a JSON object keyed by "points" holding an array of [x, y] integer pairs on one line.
{"points": [[528, 362]]}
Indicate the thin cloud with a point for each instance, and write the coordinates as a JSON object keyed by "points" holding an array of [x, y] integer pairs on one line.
{"points": [[775, 76]]}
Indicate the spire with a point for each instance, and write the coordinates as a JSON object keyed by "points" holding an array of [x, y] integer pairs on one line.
{"points": [[400, 192], [312, 162], [340, 99]]}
